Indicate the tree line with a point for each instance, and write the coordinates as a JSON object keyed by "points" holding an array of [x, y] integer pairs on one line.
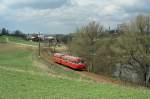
{"points": [[64, 38], [102, 52], [16, 33]]}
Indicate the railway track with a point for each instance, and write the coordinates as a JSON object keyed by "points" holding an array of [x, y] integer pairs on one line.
{"points": [[45, 54], [46, 57]]}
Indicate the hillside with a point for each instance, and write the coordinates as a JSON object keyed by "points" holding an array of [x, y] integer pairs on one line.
{"points": [[23, 75]]}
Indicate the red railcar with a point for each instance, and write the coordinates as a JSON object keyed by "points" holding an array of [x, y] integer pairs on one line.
{"points": [[70, 61]]}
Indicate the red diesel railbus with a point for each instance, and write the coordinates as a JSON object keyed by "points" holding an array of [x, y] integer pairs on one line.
{"points": [[70, 61]]}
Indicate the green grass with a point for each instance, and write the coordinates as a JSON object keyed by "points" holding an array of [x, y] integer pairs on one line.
{"points": [[17, 85], [2, 39], [16, 58], [22, 78], [17, 40], [20, 40]]}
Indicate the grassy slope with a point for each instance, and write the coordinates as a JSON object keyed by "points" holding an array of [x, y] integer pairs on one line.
{"points": [[20, 40], [16, 82], [2, 39], [15, 85], [18, 58]]}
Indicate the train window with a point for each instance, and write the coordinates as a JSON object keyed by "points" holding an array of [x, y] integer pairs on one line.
{"points": [[66, 59], [72, 62], [82, 61], [77, 62]]}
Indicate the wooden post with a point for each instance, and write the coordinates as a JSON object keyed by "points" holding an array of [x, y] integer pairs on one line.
{"points": [[39, 46], [49, 43]]}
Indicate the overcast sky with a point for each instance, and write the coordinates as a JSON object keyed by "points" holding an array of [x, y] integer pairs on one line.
{"points": [[63, 16]]}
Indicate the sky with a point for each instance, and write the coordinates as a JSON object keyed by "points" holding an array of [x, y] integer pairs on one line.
{"points": [[64, 16]]}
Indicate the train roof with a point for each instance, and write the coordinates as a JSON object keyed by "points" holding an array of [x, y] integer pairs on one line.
{"points": [[58, 54], [72, 58], [66, 56]]}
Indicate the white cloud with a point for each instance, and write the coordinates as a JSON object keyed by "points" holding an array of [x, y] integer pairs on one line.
{"points": [[83, 2], [11, 2], [111, 9], [126, 2], [75, 13], [2, 8]]}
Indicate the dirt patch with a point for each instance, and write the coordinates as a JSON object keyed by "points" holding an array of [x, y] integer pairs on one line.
{"points": [[99, 78]]}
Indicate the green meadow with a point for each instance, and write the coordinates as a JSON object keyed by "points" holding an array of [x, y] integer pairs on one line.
{"points": [[24, 76]]}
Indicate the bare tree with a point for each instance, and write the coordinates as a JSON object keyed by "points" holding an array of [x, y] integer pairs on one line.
{"points": [[85, 41], [136, 44], [148, 24], [141, 23]]}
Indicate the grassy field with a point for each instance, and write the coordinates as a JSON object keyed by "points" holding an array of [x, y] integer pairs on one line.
{"points": [[23, 76], [19, 85], [17, 57], [2, 39], [20, 40], [16, 40]]}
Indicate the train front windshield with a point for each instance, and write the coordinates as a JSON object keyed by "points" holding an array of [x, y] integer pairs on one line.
{"points": [[80, 62]]}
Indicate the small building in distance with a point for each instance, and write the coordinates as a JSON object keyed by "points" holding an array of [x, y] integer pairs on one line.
{"points": [[122, 28]]}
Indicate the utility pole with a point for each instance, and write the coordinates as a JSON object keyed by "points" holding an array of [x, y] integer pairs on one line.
{"points": [[39, 45], [49, 43], [92, 55]]}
